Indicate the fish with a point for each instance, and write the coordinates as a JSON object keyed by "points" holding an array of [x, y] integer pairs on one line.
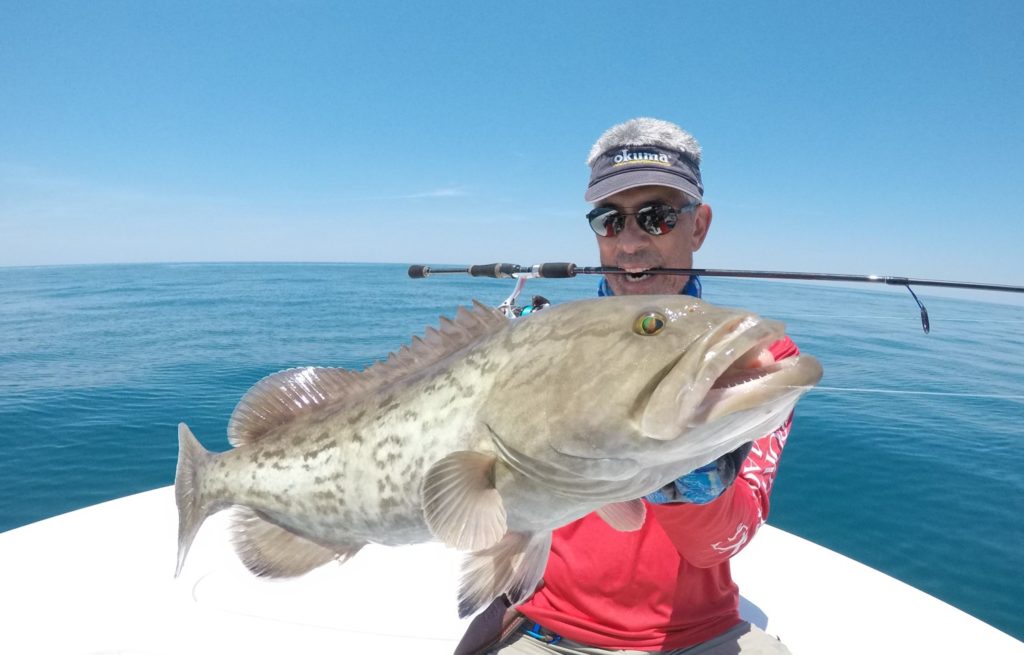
{"points": [[487, 434]]}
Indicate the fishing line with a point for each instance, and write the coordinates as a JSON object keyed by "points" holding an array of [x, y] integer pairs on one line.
{"points": [[866, 317], [905, 392]]}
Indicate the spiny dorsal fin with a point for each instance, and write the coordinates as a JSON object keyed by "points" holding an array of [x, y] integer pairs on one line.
{"points": [[283, 396], [468, 326], [269, 550], [286, 395]]}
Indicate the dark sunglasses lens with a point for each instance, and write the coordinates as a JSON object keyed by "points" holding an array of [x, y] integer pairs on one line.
{"points": [[657, 219], [606, 221]]}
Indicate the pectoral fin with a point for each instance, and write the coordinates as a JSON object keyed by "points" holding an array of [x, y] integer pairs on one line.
{"points": [[627, 516], [460, 504], [514, 567]]}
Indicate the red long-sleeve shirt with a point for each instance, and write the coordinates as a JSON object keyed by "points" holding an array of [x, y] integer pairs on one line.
{"points": [[668, 585]]}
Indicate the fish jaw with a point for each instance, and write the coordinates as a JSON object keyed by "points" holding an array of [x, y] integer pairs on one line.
{"points": [[684, 394], [744, 401]]}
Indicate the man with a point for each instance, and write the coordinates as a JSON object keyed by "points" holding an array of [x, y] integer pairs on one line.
{"points": [[666, 587]]}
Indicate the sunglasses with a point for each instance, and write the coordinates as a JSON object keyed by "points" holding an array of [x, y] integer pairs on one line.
{"points": [[654, 219]]}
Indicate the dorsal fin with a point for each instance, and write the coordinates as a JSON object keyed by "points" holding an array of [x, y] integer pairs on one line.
{"points": [[468, 326], [286, 395]]}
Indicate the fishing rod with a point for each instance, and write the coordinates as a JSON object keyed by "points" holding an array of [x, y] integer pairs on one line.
{"points": [[567, 270]]}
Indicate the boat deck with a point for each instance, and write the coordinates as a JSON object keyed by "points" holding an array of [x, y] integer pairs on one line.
{"points": [[100, 580]]}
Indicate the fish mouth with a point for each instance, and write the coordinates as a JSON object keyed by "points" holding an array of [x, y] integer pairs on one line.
{"points": [[745, 384], [723, 375]]}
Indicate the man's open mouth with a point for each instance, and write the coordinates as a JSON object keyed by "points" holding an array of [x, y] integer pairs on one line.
{"points": [[636, 275]]}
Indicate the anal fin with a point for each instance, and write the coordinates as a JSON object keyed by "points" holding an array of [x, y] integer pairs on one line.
{"points": [[269, 550], [514, 567]]}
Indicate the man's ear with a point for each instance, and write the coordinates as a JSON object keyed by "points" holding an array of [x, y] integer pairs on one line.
{"points": [[701, 225]]}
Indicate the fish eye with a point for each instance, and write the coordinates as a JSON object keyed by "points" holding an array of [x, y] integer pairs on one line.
{"points": [[649, 324]]}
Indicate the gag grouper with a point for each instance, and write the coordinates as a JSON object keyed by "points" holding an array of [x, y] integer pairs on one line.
{"points": [[488, 434]]}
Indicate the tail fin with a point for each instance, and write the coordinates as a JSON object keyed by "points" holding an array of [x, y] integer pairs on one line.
{"points": [[192, 511]]}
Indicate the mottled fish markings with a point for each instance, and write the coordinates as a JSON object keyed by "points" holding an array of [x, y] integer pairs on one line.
{"points": [[488, 434]]}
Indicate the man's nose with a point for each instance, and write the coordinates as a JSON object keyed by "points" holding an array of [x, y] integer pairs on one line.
{"points": [[632, 237]]}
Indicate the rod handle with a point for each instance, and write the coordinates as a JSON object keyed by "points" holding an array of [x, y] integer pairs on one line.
{"points": [[493, 270], [557, 269], [417, 271]]}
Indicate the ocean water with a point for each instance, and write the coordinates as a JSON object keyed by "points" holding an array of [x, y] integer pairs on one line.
{"points": [[909, 457]]}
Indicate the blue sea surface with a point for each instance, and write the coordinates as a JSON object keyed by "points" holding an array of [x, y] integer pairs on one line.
{"points": [[909, 457]]}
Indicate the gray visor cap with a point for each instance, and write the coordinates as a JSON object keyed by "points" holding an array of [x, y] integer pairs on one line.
{"points": [[626, 167]]}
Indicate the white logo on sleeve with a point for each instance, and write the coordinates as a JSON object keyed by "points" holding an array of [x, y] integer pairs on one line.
{"points": [[733, 544]]}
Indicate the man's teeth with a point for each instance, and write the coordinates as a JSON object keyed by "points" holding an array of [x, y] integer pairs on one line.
{"points": [[636, 277]]}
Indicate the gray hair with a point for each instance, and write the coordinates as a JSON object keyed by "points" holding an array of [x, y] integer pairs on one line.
{"points": [[646, 132]]}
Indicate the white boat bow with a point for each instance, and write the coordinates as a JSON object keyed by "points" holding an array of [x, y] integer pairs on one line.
{"points": [[100, 580]]}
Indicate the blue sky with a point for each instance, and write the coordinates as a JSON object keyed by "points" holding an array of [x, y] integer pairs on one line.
{"points": [[849, 137]]}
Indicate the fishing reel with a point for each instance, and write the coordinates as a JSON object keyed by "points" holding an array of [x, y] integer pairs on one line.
{"points": [[511, 309]]}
